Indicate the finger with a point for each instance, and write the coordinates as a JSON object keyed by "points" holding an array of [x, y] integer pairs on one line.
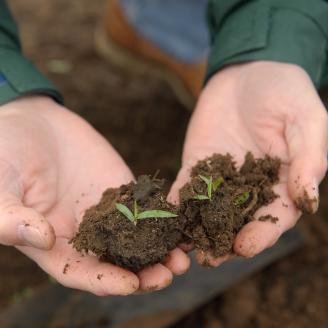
{"points": [[177, 261], [257, 235], [21, 225], [74, 270], [307, 139], [208, 260], [154, 278]]}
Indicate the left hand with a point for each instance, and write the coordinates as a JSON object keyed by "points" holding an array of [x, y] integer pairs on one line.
{"points": [[53, 166], [266, 108]]}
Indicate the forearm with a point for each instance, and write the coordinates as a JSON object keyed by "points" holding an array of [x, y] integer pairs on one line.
{"points": [[18, 76], [294, 31]]}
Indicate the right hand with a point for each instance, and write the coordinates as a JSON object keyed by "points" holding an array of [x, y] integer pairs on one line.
{"points": [[53, 166], [267, 108]]}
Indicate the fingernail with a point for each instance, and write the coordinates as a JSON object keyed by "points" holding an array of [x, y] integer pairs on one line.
{"points": [[31, 236]]}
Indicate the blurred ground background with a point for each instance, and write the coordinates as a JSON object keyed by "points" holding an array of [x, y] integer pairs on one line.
{"points": [[143, 120]]}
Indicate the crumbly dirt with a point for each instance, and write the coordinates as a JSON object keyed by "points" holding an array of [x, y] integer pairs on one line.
{"points": [[213, 224], [210, 224], [268, 217], [306, 204], [113, 238]]}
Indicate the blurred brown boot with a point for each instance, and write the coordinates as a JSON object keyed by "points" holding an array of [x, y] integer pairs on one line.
{"points": [[117, 41]]}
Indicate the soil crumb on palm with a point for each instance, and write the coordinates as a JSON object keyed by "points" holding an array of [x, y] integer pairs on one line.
{"points": [[306, 204]]}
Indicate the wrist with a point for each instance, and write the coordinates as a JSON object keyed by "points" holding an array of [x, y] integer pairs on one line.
{"points": [[261, 73]]}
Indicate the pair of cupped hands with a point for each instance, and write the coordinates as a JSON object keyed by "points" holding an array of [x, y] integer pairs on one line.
{"points": [[50, 158]]}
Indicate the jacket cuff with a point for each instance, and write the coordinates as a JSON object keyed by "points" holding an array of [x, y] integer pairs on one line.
{"points": [[19, 77], [293, 31]]}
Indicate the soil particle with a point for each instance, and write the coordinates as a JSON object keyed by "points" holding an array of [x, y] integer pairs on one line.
{"points": [[306, 204], [213, 224], [150, 289], [206, 263], [269, 217], [65, 269], [113, 238]]}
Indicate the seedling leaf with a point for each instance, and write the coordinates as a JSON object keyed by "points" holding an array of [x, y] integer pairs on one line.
{"points": [[208, 182], [201, 197], [217, 183], [135, 210], [125, 211], [241, 199], [205, 179], [156, 214], [209, 188]]}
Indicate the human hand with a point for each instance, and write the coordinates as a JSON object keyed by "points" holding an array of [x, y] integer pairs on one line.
{"points": [[53, 166], [266, 108]]}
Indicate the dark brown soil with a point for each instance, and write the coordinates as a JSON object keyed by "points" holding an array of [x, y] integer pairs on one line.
{"points": [[113, 238], [270, 218], [305, 203], [213, 224], [210, 224]]}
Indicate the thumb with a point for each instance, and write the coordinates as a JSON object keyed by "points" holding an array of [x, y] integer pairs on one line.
{"points": [[23, 226], [307, 139], [182, 178]]}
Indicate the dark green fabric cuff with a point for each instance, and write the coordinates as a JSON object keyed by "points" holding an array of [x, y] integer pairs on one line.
{"points": [[294, 31], [20, 77]]}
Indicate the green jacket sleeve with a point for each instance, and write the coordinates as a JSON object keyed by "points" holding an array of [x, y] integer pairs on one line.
{"points": [[290, 31], [18, 76]]}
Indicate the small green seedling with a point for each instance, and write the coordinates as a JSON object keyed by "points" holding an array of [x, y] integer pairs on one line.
{"points": [[136, 216], [212, 187], [241, 199]]}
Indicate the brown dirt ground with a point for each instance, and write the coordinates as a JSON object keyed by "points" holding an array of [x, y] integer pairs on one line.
{"points": [[134, 111]]}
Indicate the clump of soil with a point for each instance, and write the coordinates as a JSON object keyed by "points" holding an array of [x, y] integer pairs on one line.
{"points": [[113, 238], [213, 224], [210, 224]]}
